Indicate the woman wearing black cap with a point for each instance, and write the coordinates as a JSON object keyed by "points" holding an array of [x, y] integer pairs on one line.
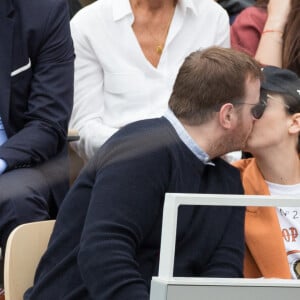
{"points": [[273, 234]]}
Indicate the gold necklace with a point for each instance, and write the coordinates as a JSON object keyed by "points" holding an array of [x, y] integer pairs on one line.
{"points": [[160, 46]]}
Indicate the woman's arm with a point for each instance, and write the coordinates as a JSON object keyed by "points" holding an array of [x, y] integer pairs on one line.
{"points": [[269, 51]]}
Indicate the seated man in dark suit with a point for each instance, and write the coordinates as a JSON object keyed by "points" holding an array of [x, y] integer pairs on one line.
{"points": [[36, 98], [106, 240]]}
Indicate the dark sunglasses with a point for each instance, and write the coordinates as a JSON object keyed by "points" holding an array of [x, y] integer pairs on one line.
{"points": [[258, 109]]}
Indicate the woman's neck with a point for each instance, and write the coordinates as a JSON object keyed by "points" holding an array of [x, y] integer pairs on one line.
{"points": [[152, 5], [152, 20], [280, 168]]}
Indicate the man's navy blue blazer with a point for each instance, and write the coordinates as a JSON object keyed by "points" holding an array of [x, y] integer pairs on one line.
{"points": [[36, 86]]}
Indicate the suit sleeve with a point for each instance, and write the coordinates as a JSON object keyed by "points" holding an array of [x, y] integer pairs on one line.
{"points": [[50, 96]]}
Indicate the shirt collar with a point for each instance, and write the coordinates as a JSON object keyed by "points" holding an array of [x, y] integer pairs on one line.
{"points": [[122, 8], [186, 138], [189, 4]]}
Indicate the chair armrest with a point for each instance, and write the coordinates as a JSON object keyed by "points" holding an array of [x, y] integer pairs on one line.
{"points": [[73, 135]]}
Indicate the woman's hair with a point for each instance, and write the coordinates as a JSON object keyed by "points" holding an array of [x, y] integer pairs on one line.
{"points": [[293, 107], [291, 36], [291, 39], [262, 3]]}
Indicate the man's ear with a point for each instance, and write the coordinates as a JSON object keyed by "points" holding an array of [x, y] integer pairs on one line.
{"points": [[295, 124], [227, 115]]}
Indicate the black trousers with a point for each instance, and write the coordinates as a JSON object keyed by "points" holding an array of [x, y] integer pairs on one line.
{"points": [[25, 196]]}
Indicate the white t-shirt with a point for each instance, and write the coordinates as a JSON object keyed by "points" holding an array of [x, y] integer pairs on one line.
{"points": [[114, 83], [289, 220]]}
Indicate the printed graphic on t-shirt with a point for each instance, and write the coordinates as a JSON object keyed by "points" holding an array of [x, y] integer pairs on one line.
{"points": [[294, 262], [289, 219]]}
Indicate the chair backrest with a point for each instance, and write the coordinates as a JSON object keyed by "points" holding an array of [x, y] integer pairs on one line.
{"points": [[25, 246]]}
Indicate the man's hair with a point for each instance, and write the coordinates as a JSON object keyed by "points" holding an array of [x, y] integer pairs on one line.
{"points": [[208, 79]]}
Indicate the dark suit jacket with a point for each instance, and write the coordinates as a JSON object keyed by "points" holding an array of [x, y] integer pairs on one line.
{"points": [[74, 7], [36, 85]]}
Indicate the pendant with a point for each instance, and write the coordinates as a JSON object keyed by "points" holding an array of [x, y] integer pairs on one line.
{"points": [[159, 49]]}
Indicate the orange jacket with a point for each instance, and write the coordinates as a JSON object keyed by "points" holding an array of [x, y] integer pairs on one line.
{"points": [[265, 252]]}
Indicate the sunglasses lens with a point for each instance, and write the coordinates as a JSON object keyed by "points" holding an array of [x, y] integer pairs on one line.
{"points": [[258, 110]]}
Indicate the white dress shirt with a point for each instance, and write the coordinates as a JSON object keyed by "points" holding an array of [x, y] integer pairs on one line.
{"points": [[114, 83]]}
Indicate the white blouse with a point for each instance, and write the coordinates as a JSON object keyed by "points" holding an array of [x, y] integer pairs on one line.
{"points": [[114, 83]]}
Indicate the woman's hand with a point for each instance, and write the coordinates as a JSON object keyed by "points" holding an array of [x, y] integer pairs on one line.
{"points": [[278, 11]]}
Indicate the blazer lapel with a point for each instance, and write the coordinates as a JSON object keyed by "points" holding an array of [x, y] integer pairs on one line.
{"points": [[6, 40]]}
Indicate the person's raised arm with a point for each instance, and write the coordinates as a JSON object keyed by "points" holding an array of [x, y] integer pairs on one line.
{"points": [[269, 51]]}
